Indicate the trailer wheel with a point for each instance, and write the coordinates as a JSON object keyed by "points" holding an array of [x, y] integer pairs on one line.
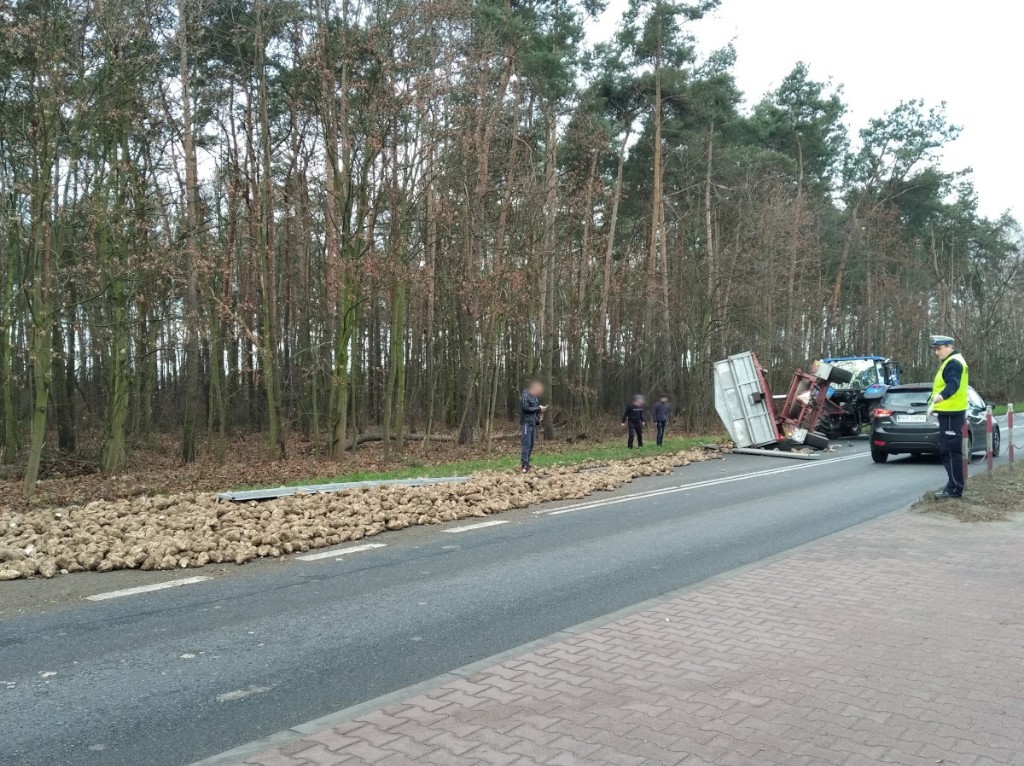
{"points": [[816, 440]]}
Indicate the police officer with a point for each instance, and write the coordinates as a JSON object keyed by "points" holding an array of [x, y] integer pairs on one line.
{"points": [[530, 410], [949, 402]]}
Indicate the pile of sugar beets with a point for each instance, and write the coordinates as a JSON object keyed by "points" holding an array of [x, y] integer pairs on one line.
{"points": [[193, 529]]}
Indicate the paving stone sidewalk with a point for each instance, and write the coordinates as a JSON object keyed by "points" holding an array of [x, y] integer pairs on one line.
{"points": [[900, 641]]}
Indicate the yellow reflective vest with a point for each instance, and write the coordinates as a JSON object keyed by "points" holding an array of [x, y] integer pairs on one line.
{"points": [[958, 401]]}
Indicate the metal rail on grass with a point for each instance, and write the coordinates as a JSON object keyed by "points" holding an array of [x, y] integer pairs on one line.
{"points": [[242, 496]]}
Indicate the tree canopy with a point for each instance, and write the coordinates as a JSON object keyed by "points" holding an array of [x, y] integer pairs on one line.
{"points": [[323, 217]]}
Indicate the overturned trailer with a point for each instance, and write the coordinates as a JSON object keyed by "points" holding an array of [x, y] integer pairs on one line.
{"points": [[760, 422]]}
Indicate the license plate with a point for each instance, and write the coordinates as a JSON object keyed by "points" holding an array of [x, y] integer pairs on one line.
{"points": [[911, 418]]}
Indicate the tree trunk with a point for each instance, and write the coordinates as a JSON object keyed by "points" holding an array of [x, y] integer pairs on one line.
{"points": [[64, 386], [604, 316], [41, 276], [548, 273], [792, 351], [118, 389], [10, 445], [268, 253], [396, 364], [469, 369], [709, 244], [217, 415], [657, 229], [190, 408], [835, 301], [402, 377], [39, 337]]}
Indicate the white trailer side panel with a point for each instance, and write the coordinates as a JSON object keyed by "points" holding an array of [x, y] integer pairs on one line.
{"points": [[741, 403]]}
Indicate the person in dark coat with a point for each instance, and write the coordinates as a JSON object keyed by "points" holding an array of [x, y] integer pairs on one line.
{"points": [[530, 410], [662, 411], [633, 418]]}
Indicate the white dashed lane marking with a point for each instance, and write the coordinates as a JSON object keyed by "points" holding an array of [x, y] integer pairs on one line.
{"points": [[335, 553], [146, 588], [469, 527]]}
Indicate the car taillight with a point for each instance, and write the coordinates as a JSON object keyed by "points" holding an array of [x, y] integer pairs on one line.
{"points": [[880, 413]]}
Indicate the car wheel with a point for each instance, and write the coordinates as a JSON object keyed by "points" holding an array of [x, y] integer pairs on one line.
{"points": [[878, 456], [997, 441]]}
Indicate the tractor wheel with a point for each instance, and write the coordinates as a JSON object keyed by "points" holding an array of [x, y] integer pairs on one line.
{"points": [[829, 428], [838, 375]]}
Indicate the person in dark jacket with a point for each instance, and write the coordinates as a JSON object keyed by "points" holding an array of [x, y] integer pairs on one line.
{"points": [[633, 418], [530, 410], [662, 411]]}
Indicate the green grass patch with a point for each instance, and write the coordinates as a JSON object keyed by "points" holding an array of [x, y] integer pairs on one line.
{"points": [[508, 462], [1000, 409]]}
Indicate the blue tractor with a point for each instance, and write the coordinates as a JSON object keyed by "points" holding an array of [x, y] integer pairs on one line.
{"points": [[856, 401]]}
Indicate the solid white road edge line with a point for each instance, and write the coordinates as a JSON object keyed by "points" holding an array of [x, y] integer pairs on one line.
{"points": [[335, 552], [481, 525], [695, 485], [145, 588]]}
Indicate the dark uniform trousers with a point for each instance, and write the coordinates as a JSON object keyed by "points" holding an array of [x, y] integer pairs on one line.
{"points": [[527, 438], [636, 429], [951, 452]]}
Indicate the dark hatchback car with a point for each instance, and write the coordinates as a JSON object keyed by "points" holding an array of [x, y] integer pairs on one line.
{"points": [[901, 426]]}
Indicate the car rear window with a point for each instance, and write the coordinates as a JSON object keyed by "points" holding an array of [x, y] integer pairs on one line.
{"points": [[902, 399]]}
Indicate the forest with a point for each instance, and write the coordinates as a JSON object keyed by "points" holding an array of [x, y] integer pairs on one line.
{"points": [[319, 219]]}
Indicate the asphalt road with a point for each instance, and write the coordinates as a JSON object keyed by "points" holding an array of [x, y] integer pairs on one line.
{"points": [[169, 677]]}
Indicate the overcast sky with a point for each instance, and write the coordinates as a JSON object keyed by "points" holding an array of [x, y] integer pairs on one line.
{"points": [[968, 54]]}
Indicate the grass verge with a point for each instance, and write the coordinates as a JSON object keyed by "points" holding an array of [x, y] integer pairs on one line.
{"points": [[1000, 409], [506, 462], [996, 496]]}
